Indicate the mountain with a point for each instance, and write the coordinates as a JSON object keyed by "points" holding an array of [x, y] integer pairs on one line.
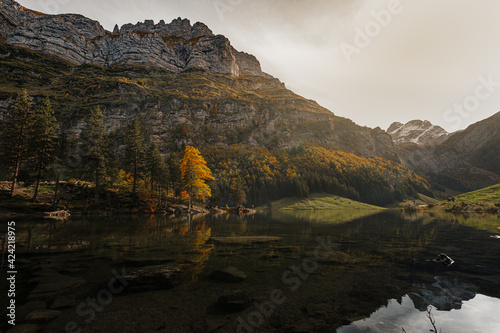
{"points": [[467, 160], [189, 86], [175, 47], [418, 132]]}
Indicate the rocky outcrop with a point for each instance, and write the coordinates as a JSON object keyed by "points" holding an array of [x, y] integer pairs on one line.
{"points": [[176, 47], [467, 160], [418, 132]]}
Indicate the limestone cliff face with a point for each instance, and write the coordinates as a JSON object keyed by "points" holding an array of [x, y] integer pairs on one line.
{"points": [[79, 40]]}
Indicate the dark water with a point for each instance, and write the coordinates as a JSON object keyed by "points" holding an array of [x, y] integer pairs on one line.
{"points": [[376, 276]]}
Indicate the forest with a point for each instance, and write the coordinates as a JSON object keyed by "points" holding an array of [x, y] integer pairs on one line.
{"points": [[127, 170]]}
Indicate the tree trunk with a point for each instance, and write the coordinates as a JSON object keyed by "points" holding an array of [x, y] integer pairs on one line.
{"points": [[16, 171], [96, 198], [39, 177], [134, 189], [159, 196], [56, 190], [190, 203]]}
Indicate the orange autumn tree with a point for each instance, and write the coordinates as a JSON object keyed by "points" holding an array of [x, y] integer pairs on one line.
{"points": [[194, 173]]}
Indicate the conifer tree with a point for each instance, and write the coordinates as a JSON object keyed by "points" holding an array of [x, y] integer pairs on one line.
{"points": [[237, 188], [158, 170], [194, 173], [16, 135], [43, 142], [135, 139], [95, 143]]}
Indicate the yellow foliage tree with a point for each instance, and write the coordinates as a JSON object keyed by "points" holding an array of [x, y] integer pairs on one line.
{"points": [[194, 173]]}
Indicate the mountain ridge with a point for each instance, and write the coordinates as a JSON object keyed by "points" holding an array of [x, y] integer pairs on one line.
{"points": [[420, 132], [200, 105], [176, 46]]}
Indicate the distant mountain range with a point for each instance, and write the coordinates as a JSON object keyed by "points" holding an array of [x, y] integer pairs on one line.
{"points": [[192, 87], [466, 160]]}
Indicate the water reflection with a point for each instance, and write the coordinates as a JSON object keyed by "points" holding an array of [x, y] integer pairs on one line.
{"points": [[478, 315], [377, 258]]}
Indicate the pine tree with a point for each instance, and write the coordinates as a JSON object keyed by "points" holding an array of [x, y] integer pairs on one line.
{"points": [[158, 170], [43, 142], [95, 143], [194, 173], [174, 174], [135, 138], [16, 136], [238, 194]]}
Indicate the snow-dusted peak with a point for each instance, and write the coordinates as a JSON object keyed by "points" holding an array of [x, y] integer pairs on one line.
{"points": [[418, 132]]}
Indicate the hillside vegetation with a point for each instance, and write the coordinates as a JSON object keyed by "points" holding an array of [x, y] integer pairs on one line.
{"points": [[318, 201], [487, 195]]}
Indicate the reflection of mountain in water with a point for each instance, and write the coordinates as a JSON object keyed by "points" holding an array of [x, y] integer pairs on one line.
{"points": [[445, 294]]}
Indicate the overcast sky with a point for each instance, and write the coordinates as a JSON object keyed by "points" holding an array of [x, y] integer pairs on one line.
{"points": [[373, 61]]}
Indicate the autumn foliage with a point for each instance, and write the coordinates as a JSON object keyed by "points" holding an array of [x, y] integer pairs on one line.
{"points": [[194, 174]]}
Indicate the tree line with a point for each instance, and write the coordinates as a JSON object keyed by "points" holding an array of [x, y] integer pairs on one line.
{"points": [[138, 174], [129, 166]]}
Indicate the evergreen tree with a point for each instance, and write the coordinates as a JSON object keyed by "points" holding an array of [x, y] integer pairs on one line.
{"points": [[174, 174], [95, 143], [158, 171], [237, 188], [194, 173], [43, 140], [135, 138], [16, 135]]}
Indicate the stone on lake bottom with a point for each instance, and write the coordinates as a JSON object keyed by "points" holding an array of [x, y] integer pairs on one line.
{"points": [[24, 328], [229, 274]]}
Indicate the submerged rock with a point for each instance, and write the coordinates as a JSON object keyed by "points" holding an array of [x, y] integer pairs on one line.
{"points": [[247, 240], [235, 301], [63, 302], [229, 274], [24, 328], [43, 315], [52, 286], [443, 259], [160, 276]]}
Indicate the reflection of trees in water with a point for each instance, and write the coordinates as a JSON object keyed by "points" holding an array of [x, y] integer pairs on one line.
{"points": [[483, 221]]}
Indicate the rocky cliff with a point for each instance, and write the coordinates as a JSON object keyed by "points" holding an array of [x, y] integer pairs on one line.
{"points": [[418, 132], [170, 75], [176, 47]]}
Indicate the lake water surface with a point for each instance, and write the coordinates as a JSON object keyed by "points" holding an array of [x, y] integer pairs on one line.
{"points": [[333, 272]]}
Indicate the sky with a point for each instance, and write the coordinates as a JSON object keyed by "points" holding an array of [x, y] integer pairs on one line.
{"points": [[373, 61]]}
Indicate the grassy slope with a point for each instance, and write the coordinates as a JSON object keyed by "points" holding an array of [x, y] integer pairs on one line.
{"points": [[320, 201], [486, 195], [486, 200]]}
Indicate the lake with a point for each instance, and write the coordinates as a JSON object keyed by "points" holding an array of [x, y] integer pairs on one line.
{"points": [[291, 271]]}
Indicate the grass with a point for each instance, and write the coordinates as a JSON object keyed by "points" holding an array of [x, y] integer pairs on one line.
{"points": [[486, 200], [486, 195], [319, 201]]}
